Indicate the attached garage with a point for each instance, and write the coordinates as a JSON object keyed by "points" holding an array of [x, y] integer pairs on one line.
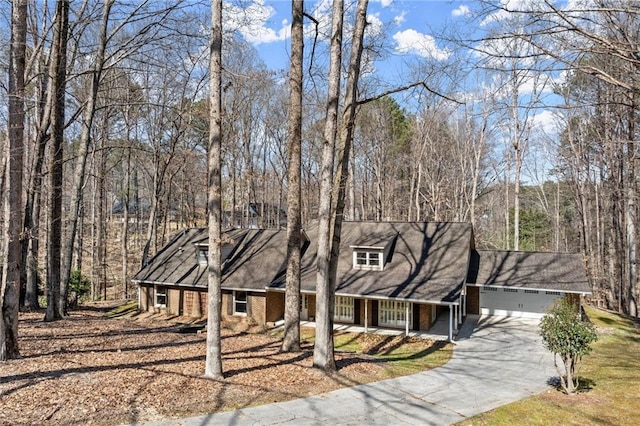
{"points": [[522, 284], [515, 302]]}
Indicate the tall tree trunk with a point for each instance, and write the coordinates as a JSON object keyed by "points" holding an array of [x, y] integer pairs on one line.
{"points": [[10, 285], [213, 361], [125, 222], [84, 142], [57, 87], [631, 215], [323, 350], [291, 338]]}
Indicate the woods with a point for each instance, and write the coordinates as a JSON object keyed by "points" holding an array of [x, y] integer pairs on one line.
{"points": [[116, 132]]}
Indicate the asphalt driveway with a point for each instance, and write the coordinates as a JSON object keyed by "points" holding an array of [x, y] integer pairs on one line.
{"points": [[496, 361]]}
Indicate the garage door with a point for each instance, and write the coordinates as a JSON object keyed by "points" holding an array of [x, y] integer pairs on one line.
{"points": [[516, 302]]}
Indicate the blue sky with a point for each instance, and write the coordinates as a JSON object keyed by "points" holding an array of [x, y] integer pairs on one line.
{"points": [[408, 25]]}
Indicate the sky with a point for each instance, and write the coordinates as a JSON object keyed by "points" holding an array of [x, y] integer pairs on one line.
{"points": [[407, 25]]}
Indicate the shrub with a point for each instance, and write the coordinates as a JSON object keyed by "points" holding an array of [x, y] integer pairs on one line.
{"points": [[79, 286], [569, 336]]}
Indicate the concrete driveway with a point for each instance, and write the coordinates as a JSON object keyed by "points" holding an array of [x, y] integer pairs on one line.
{"points": [[496, 361]]}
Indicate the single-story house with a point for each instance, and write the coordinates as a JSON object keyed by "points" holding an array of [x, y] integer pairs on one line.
{"points": [[390, 274]]}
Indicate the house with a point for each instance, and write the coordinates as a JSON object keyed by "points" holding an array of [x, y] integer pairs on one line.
{"points": [[400, 275]]}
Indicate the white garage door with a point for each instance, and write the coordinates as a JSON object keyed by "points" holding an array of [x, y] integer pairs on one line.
{"points": [[514, 302]]}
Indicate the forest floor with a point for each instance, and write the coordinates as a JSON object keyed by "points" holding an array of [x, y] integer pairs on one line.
{"points": [[92, 369]]}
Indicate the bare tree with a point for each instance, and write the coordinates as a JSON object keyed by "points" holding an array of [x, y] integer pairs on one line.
{"points": [[323, 351], [291, 339], [213, 362], [57, 84], [12, 251]]}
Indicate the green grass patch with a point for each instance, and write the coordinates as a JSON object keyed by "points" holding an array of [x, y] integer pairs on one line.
{"points": [[401, 355], [122, 310], [610, 377]]}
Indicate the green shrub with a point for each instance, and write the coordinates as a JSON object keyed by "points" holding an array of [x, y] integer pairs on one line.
{"points": [[79, 286], [569, 336]]}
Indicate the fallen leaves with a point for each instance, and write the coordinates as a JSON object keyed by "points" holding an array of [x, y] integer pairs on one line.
{"points": [[87, 369]]}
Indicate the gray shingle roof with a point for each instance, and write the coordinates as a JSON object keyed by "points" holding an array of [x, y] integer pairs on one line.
{"points": [[535, 270], [251, 259], [427, 262]]}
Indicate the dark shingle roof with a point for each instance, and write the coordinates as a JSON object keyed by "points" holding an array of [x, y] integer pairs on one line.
{"points": [[541, 271], [427, 261], [251, 259]]}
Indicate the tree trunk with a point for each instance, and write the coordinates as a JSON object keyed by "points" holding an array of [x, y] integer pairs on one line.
{"points": [[10, 285], [323, 350], [124, 244], [85, 140], [291, 338], [213, 361], [57, 88]]}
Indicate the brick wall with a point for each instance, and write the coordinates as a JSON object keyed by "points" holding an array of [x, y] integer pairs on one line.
{"points": [[425, 317], [275, 306]]}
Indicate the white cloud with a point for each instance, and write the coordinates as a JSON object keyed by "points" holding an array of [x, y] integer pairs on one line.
{"points": [[411, 41], [252, 22], [400, 19], [383, 3], [546, 121], [462, 10], [374, 24]]}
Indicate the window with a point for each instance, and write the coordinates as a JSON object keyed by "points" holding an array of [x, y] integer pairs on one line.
{"points": [[531, 291], [553, 293], [161, 297], [510, 290], [394, 314], [343, 311], [203, 256], [367, 260], [240, 303], [490, 289]]}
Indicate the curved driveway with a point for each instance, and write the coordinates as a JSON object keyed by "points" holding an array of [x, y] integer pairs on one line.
{"points": [[496, 361]]}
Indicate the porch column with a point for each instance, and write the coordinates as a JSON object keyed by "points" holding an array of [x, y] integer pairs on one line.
{"points": [[455, 312], [464, 302], [366, 316], [450, 323], [406, 317]]}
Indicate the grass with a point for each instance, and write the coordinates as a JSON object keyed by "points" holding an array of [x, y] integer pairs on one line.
{"points": [[610, 381], [123, 309], [401, 355]]}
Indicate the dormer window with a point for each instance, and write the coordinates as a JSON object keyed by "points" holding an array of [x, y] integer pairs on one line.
{"points": [[367, 259], [202, 254], [372, 251]]}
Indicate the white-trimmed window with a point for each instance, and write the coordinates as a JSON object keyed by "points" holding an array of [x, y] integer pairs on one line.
{"points": [[240, 303], [367, 260], [161, 297], [392, 313], [343, 311]]}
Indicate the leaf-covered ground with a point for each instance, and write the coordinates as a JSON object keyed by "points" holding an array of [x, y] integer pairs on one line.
{"points": [[89, 369]]}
